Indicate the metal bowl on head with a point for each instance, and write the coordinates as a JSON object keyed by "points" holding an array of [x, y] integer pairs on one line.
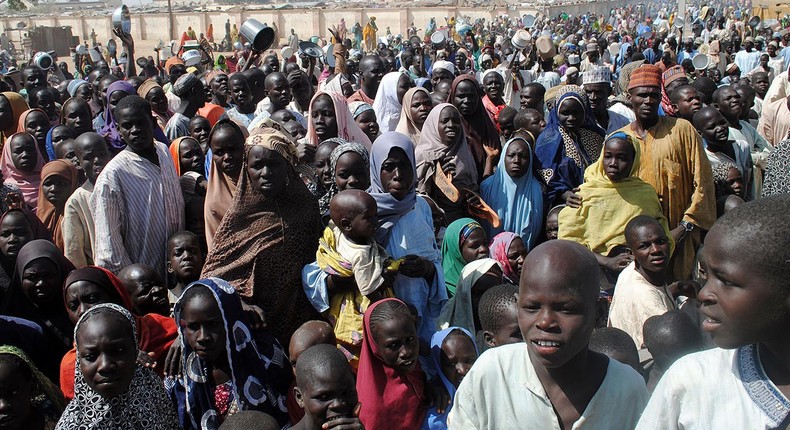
{"points": [[260, 36], [438, 39], [287, 52], [310, 49], [529, 21], [700, 61], [121, 20], [330, 55]]}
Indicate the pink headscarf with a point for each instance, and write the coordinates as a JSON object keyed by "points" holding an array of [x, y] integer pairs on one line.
{"points": [[499, 248], [28, 183], [390, 399], [346, 127]]}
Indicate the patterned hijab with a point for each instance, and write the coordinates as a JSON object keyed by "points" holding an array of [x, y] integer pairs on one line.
{"points": [[583, 147], [260, 371], [46, 399], [144, 406], [323, 202], [452, 259]]}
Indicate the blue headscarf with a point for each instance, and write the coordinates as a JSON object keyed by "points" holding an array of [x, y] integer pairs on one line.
{"points": [[562, 171], [260, 371], [390, 209], [434, 420], [50, 147], [621, 58], [517, 201]]}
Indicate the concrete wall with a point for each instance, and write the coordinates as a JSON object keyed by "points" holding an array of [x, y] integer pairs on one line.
{"points": [[149, 28]]}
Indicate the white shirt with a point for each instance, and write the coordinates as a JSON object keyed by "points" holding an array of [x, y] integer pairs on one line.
{"points": [[635, 300], [137, 206], [503, 392], [716, 389]]}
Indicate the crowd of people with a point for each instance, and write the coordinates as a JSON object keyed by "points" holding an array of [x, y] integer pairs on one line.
{"points": [[565, 222]]}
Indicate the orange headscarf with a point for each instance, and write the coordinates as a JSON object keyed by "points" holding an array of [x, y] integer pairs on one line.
{"points": [[18, 106], [50, 215], [175, 152]]}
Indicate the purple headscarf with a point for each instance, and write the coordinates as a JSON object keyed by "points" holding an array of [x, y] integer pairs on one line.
{"points": [[110, 130]]}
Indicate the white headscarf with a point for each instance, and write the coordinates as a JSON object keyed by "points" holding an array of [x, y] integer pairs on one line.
{"points": [[386, 104]]}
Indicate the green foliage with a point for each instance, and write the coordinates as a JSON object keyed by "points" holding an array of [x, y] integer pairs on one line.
{"points": [[16, 5]]}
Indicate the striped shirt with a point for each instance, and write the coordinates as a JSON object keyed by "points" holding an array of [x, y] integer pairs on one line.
{"points": [[78, 231], [137, 206]]}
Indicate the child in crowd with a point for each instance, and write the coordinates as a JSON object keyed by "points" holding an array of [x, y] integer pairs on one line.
{"points": [[509, 251], [78, 227], [33, 401], [146, 288], [499, 316], [552, 225], [553, 378], [669, 337], [199, 129], [645, 287], [746, 302], [227, 367], [307, 335], [610, 196], [90, 286], [454, 352], [59, 179], [464, 241], [185, 260], [476, 278], [348, 250], [389, 379], [714, 129], [615, 344], [325, 390], [110, 389]]}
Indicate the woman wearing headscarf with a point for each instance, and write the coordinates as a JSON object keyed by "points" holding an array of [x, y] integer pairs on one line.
{"points": [[259, 374], [461, 309], [329, 117], [269, 233], [515, 193], [160, 111], [409, 124], [568, 144], [343, 147], [387, 104], [143, 404], [17, 105], [50, 212], [222, 184], [443, 145], [42, 302], [608, 204], [338, 84], [110, 129], [405, 230], [155, 333], [43, 403], [480, 131], [25, 175]]}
